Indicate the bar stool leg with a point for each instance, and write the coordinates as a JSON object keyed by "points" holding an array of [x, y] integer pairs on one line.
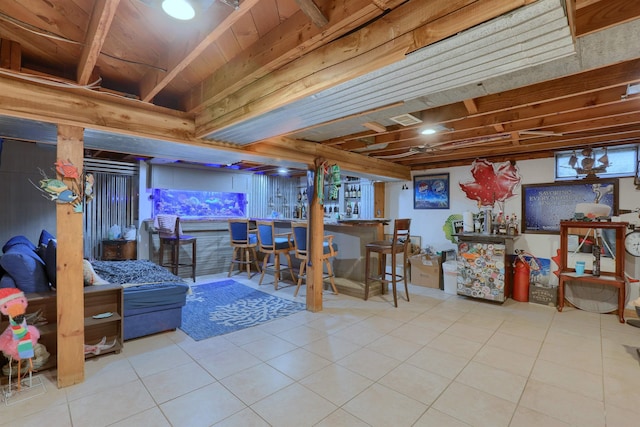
{"points": [[331, 276], [175, 258], [161, 254], [193, 260], [276, 268], [367, 274], [394, 277]]}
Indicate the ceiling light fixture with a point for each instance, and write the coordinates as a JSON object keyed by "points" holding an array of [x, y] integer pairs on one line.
{"points": [[432, 129], [179, 9]]}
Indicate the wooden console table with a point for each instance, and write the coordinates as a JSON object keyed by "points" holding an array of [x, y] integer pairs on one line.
{"points": [[609, 278]]}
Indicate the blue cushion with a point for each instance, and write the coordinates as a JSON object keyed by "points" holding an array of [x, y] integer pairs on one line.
{"points": [[253, 239], [18, 240], [45, 236], [326, 249], [50, 261], [7, 282], [281, 243], [26, 268]]}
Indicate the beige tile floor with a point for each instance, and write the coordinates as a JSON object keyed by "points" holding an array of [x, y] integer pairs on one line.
{"points": [[440, 360]]}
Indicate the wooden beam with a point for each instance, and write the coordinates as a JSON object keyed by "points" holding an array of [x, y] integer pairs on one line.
{"points": [[375, 126], [101, 19], [291, 39], [70, 297], [471, 106], [282, 148], [313, 12], [604, 14], [571, 17], [157, 80], [10, 55], [380, 44], [93, 110], [315, 243]]}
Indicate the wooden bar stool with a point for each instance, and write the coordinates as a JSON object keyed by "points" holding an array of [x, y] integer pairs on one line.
{"points": [[329, 250], [170, 233], [270, 243], [399, 244], [244, 242]]}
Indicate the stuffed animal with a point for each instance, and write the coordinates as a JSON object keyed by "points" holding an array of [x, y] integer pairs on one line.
{"points": [[19, 339]]}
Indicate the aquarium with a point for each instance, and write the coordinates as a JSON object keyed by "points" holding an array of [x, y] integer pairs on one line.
{"points": [[199, 204]]}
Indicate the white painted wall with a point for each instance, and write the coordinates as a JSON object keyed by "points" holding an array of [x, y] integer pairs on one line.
{"points": [[428, 223]]}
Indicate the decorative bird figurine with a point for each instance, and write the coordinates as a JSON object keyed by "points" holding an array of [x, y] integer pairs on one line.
{"points": [[18, 340]]}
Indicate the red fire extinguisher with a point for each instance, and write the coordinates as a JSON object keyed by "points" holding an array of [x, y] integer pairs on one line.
{"points": [[521, 276]]}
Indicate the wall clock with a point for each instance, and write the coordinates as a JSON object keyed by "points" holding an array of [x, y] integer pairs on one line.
{"points": [[632, 243]]}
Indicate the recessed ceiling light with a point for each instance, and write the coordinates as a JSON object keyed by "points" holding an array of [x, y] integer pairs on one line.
{"points": [[435, 129], [283, 171], [179, 9]]}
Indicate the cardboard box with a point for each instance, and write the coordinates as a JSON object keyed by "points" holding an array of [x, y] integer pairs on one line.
{"points": [[426, 271], [545, 295]]}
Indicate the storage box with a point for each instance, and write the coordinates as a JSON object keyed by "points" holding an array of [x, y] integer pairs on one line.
{"points": [[425, 271], [545, 295], [450, 272]]}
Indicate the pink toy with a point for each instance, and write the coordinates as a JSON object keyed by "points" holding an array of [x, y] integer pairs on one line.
{"points": [[18, 340]]}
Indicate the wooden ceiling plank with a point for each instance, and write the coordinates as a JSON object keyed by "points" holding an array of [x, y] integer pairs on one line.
{"points": [[313, 12], [101, 19], [604, 14], [335, 62], [156, 80], [293, 38]]}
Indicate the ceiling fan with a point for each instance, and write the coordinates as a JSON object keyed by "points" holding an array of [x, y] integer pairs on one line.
{"points": [[448, 145]]}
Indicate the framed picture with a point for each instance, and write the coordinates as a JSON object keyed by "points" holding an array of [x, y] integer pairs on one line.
{"points": [[545, 205], [431, 191]]}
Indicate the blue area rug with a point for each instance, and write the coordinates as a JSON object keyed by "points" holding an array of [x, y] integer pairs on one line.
{"points": [[226, 306]]}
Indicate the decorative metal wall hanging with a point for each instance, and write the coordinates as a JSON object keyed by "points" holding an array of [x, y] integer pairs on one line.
{"points": [[69, 185]]}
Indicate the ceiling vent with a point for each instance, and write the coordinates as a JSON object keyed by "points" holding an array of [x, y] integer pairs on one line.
{"points": [[406, 119]]}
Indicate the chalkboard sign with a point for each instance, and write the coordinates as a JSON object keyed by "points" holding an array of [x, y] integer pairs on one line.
{"points": [[545, 205], [544, 295]]}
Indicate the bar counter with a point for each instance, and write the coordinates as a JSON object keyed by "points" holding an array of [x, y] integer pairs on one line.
{"points": [[214, 249]]}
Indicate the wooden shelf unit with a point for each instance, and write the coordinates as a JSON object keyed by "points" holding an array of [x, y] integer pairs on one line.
{"points": [[119, 250], [97, 299], [610, 278]]}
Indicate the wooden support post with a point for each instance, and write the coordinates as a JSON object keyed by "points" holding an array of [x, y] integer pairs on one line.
{"points": [[70, 292], [315, 235]]}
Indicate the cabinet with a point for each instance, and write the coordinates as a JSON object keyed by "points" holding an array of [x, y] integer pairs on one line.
{"points": [[573, 236], [97, 300], [119, 250], [484, 267]]}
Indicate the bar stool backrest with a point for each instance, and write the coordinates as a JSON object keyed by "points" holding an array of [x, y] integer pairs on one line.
{"points": [[168, 225], [401, 232], [239, 232]]}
